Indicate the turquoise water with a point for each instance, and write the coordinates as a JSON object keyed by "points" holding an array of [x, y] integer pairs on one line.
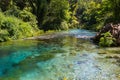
{"points": [[58, 56]]}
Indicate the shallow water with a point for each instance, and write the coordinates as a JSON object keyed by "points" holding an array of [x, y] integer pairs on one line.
{"points": [[59, 56]]}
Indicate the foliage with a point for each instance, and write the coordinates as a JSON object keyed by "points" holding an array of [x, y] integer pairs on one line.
{"points": [[106, 40], [64, 25], [39, 8], [91, 14], [115, 7], [13, 11], [57, 15], [96, 13], [4, 35], [13, 28], [28, 17], [5, 4], [24, 15], [74, 22]]}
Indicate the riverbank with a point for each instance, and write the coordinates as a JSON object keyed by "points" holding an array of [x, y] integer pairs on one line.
{"points": [[109, 35], [71, 32]]}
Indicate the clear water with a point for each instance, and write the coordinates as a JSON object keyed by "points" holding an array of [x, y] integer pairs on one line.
{"points": [[59, 56]]}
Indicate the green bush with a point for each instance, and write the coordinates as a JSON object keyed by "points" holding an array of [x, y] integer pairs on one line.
{"points": [[13, 11], [28, 17], [58, 15], [24, 15], [12, 28], [64, 25], [107, 40], [4, 35]]}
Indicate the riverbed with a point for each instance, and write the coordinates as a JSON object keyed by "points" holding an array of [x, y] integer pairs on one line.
{"points": [[65, 55]]}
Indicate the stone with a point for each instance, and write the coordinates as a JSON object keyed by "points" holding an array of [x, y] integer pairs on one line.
{"points": [[114, 29]]}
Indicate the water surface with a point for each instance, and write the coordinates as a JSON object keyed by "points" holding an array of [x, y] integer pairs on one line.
{"points": [[60, 56]]}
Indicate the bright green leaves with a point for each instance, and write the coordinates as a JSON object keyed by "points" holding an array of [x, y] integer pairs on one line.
{"points": [[59, 10], [14, 28], [107, 40]]}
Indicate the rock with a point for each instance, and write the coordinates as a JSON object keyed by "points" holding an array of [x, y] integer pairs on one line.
{"points": [[114, 29]]}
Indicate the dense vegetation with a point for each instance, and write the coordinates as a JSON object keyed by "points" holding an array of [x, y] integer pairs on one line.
{"points": [[14, 28], [96, 13], [18, 17]]}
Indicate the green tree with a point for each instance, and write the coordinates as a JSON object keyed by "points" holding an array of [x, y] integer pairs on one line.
{"points": [[115, 6], [5, 4], [58, 14], [39, 8]]}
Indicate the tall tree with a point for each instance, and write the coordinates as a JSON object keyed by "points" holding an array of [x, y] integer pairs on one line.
{"points": [[58, 13], [39, 8], [115, 4]]}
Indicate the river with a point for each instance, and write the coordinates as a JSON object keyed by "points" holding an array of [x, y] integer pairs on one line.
{"points": [[65, 55]]}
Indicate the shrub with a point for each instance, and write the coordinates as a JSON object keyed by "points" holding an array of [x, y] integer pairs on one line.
{"points": [[13, 28], [13, 11], [28, 17], [107, 40], [4, 35], [64, 25], [24, 15]]}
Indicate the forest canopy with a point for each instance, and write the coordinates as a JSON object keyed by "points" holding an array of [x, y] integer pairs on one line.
{"points": [[55, 15]]}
